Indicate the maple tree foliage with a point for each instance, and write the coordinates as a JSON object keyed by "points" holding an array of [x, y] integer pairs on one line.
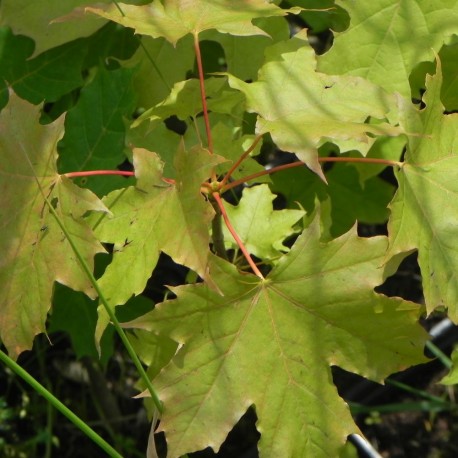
{"points": [[276, 296]]}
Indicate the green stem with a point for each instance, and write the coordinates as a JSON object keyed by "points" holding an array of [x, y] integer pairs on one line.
{"points": [[412, 390], [439, 354], [110, 311], [49, 410], [40, 389]]}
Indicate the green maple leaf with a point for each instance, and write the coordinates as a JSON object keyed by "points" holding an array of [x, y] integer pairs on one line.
{"points": [[154, 216], [174, 19], [303, 109], [425, 205], [35, 252], [270, 343], [262, 229], [378, 45]]}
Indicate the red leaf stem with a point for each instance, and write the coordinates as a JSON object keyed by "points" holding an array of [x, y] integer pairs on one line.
{"points": [[365, 160], [236, 237], [240, 160], [88, 173], [202, 92]]}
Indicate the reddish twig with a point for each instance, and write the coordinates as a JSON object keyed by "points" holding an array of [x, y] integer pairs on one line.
{"points": [[240, 160], [236, 237], [202, 92], [89, 173], [366, 160]]}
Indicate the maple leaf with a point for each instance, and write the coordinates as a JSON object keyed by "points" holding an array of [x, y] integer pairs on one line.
{"points": [[262, 229], [154, 216], [35, 251], [378, 43], [423, 212], [176, 18], [271, 344], [303, 109]]}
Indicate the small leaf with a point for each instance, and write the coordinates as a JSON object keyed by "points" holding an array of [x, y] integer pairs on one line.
{"points": [[261, 228], [176, 18], [271, 344], [35, 251]]}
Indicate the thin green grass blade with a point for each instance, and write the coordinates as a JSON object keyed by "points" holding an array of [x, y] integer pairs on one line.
{"points": [[40, 389], [439, 354]]}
